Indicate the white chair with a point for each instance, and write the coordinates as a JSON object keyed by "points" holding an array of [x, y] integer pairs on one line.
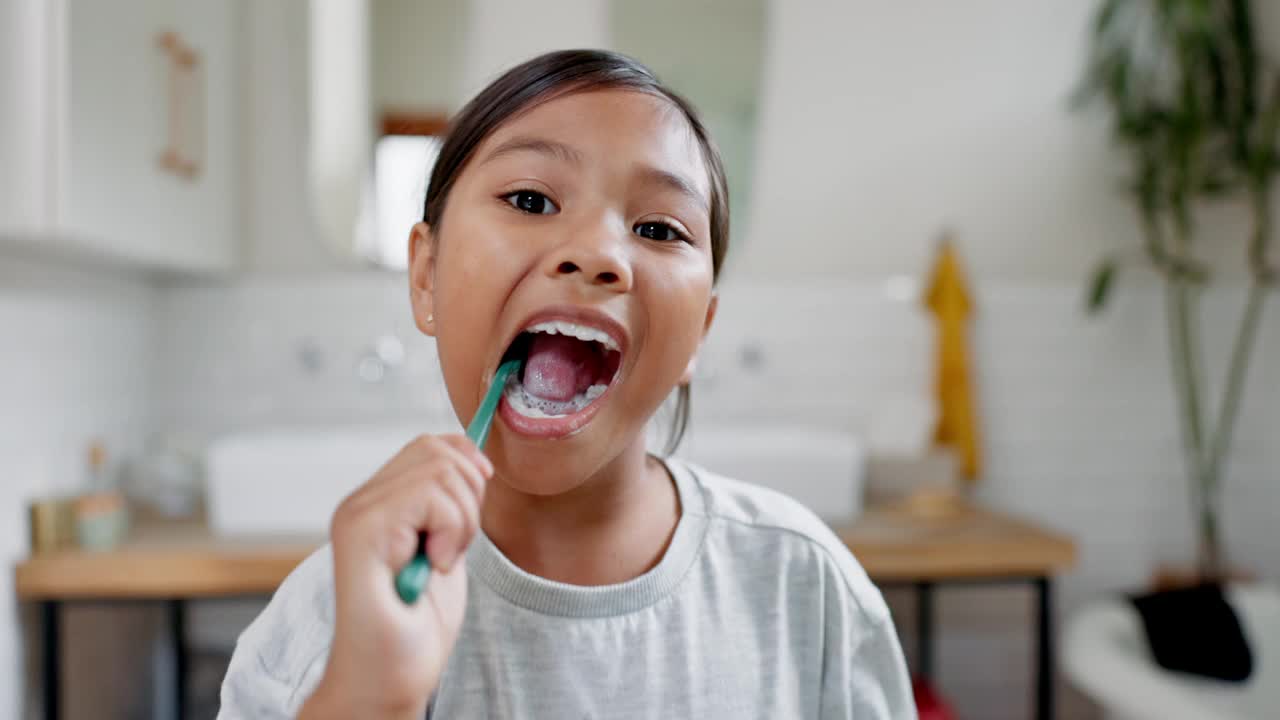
{"points": [[1105, 654]]}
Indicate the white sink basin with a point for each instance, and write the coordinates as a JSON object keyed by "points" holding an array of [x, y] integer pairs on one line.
{"points": [[290, 480], [823, 469]]}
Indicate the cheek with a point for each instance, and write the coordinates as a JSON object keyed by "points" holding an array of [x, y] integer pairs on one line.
{"points": [[471, 274], [475, 262], [677, 309], [472, 249]]}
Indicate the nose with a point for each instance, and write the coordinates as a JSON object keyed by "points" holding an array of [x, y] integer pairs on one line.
{"points": [[595, 256]]}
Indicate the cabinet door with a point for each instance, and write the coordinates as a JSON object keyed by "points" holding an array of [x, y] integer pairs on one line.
{"points": [[26, 128], [147, 152], [213, 30]]}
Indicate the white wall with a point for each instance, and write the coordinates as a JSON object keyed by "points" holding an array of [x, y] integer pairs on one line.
{"points": [[418, 54], [883, 123], [501, 33], [230, 352], [76, 364]]}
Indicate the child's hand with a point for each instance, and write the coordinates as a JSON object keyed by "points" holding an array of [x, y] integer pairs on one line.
{"points": [[387, 656]]}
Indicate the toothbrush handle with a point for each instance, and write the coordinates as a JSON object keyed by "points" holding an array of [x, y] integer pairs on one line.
{"points": [[412, 578]]}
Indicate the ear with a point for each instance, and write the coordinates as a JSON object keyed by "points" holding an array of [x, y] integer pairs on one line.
{"points": [[422, 277], [687, 377]]}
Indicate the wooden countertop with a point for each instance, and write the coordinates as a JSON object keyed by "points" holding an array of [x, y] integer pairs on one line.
{"points": [[167, 561], [895, 545]]}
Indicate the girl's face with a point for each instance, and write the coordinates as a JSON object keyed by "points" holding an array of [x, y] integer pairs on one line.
{"points": [[577, 237]]}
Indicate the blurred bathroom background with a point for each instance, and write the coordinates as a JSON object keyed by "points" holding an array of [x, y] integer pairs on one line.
{"points": [[203, 210]]}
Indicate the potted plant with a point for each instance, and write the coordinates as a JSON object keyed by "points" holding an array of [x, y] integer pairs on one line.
{"points": [[1196, 108]]}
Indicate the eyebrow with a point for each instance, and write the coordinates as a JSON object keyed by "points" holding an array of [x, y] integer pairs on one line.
{"points": [[542, 146], [675, 182]]}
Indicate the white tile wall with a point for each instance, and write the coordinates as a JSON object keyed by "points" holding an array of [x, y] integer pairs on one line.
{"points": [[1078, 419], [230, 352], [75, 363]]}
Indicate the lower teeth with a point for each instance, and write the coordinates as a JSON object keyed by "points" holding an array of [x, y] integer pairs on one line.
{"points": [[536, 407]]}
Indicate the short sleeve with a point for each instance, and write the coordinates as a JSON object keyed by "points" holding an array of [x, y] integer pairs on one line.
{"points": [[279, 658], [864, 672], [867, 679]]}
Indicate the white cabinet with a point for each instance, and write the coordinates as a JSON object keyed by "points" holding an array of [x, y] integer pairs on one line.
{"points": [[118, 134]]}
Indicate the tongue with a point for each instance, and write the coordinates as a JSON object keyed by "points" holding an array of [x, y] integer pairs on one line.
{"points": [[559, 367]]}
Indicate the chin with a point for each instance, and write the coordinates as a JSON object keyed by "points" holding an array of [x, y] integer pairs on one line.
{"points": [[550, 466]]}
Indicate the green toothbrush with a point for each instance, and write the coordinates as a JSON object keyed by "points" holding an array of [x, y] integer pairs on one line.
{"points": [[412, 578]]}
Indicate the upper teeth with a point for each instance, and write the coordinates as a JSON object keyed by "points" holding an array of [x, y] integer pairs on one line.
{"points": [[581, 332]]}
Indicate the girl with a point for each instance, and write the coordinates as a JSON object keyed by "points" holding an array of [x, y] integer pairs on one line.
{"points": [[577, 216]]}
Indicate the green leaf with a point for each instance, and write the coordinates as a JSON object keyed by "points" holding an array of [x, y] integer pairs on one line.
{"points": [[1100, 284], [1106, 16]]}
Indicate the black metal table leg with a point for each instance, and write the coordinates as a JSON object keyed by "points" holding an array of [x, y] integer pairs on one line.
{"points": [[924, 629], [1044, 660], [51, 616], [178, 636]]}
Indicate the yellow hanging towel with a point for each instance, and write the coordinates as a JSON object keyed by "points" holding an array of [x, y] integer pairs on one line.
{"points": [[948, 299]]}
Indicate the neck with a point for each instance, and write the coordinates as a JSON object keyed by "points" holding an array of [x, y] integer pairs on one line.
{"points": [[613, 527]]}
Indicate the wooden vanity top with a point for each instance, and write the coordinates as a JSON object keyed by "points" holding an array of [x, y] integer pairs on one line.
{"points": [[896, 545], [165, 561], [186, 560]]}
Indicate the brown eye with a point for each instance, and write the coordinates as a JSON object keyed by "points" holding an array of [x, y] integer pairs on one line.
{"points": [[659, 231], [532, 202]]}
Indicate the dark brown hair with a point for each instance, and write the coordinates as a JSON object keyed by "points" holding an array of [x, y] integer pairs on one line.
{"points": [[553, 75]]}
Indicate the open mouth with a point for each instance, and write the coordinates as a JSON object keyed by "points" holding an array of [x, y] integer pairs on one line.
{"points": [[568, 367]]}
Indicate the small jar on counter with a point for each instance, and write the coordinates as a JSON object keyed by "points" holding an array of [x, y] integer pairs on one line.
{"points": [[101, 520]]}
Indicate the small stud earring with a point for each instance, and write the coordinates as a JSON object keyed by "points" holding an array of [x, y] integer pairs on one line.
{"points": [[430, 317]]}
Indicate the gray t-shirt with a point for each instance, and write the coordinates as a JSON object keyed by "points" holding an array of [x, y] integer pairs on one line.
{"points": [[756, 610]]}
